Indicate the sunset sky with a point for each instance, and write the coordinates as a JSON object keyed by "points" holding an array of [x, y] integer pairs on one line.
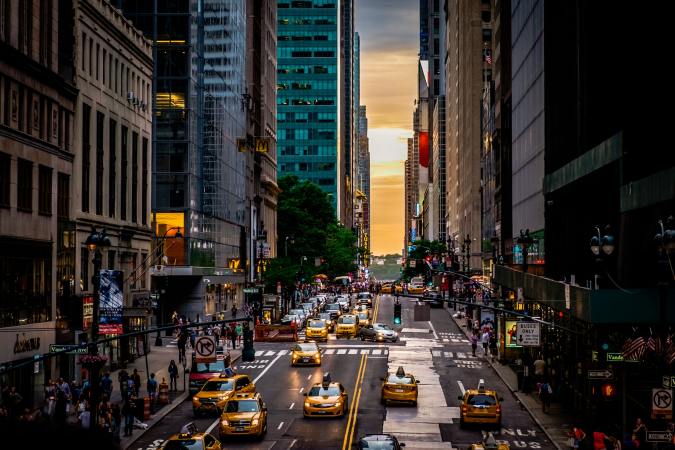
{"points": [[389, 31]]}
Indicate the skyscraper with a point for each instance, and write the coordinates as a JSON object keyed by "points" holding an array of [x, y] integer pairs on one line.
{"points": [[308, 105]]}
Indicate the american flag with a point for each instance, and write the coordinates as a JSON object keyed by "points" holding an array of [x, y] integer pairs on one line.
{"points": [[634, 348], [670, 350], [488, 56]]}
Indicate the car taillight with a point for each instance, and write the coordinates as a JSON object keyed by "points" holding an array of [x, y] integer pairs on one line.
{"points": [[464, 408], [498, 409]]}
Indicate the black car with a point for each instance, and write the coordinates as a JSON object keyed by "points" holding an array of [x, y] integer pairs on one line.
{"points": [[380, 442], [334, 310], [329, 319], [434, 299]]}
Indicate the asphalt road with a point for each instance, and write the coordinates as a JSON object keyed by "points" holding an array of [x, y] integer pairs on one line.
{"points": [[282, 385]]}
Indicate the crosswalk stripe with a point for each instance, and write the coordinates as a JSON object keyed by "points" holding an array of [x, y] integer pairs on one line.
{"points": [[282, 352], [377, 351], [448, 354], [259, 352], [270, 353], [365, 351], [330, 351], [342, 351], [461, 355], [435, 353], [446, 340], [353, 352]]}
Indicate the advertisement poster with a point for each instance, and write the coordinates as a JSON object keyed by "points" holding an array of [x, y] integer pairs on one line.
{"points": [[512, 334], [87, 311], [111, 298]]}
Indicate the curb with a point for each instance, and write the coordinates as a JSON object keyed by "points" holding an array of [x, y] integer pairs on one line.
{"points": [[514, 392], [161, 414]]}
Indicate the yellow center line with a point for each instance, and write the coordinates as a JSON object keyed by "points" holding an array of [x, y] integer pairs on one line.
{"points": [[356, 408], [352, 406], [377, 309]]}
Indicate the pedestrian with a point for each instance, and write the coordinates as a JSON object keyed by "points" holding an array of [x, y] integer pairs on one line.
{"points": [[485, 340], [193, 338], [115, 421], [15, 401], [233, 335], [545, 392], [640, 431], [539, 368], [614, 443], [469, 322], [61, 407], [85, 418], [137, 382], [152, 388], [599, 440], [123, 379], [234, 311], [173, 375], [575, 436], [107, 384], [182, 342], [239, 333], [50, 398], [493, 345], [474, 343], [65, 387], [128, 411]]}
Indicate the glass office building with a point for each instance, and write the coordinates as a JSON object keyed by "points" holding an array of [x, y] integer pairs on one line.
{"points": [[308, 42]]}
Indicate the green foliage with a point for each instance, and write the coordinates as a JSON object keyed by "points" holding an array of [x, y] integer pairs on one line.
{"points": [[340, 251], [423, 248]]}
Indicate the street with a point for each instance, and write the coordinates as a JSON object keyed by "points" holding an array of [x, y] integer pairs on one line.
{"points": [[437, 352]]}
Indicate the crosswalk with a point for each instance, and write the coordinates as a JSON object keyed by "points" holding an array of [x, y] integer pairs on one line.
{"points": [[460, 359], [331, 351]]}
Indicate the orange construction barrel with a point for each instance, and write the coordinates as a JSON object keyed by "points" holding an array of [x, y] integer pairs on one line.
{"points": [[163, 397], [146, 407]]}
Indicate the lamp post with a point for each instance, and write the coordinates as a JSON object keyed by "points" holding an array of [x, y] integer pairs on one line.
{"points": [[467, 249], [665, 244], [292, 239], [525, 240], [177, 234], [601, 247], [495, 243], [95, 242]]}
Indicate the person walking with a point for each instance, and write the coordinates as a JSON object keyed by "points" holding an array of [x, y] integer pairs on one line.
{"points": [[173, 375], [182, 342], [539, 369], [474, 342], [107, 385], [152, 389], [128, 411], [545, 393], [640, 431], [239, 333], [485, 340], [575, 436], [233, 336], [123, 378], [234, 311], [115, 421], [599, 440], [137, 382], [493, 345]]}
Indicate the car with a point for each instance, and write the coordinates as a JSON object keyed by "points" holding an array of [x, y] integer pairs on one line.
{"points": [[386, 289], [378, 332], [399, 387], [359, 309], [344, 302], [480, 406], [364, 298], [416, 286], [434, 299], [292, 319], [305, 353], [364, 318], [200, 373], [217, 390], [380, 442], [347, 325], [244, 414], [326, 399], [334, 309], [309, 309], [399, 289], [191, 441], [330, 322], [299, 312], [316, 329]]}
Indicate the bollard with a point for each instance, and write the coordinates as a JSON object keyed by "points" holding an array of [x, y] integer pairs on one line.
{"points": [[163, 398], [146, 407]]}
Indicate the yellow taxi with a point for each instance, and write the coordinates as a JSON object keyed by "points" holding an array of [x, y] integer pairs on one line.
{"points": [[399, 387], [482, 406], [386, 289], [244, 414], [347, 325], [306, 353], [325, 399], [489, 443], [364, 318], [189, 440], [217, 390], [317, 329], [399, 289], [416, 289]]}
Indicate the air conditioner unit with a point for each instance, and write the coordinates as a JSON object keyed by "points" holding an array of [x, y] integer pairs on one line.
{"points": [[130, 96]]}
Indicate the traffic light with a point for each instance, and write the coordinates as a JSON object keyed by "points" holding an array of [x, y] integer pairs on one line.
{"points": [[397, 313]]}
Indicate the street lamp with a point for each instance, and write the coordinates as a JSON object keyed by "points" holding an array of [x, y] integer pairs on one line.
{"points": [[601, 247], [177, 235], [525, 240], [95, 242], [665, 244], [292, 239]]}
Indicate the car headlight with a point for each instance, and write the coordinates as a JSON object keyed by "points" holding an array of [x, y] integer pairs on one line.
{"points": [[195, 399], [255, 422], [306, 404], [224, 422], [317, 355]]}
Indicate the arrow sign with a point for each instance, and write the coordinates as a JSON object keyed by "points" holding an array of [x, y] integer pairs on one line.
{"points": [[659, 436], [205, 349], [600, 374]]}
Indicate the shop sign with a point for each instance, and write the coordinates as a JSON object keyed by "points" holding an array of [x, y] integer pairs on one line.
{"points": [[659, 436], [668, 382], [662, 404], [512, 334], [87, 311], [528, 334], [111, 299], [26, 344]]}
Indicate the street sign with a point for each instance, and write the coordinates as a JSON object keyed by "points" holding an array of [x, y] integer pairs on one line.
{"points": [[72, 349], [205, 349], [668, 382], [662, 404], [606, 374], [413, 263], [659, 436], [250, 290], [528, 334], [614, 357]]}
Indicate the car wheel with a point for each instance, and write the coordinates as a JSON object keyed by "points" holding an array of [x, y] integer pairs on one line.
{"points": [[414, 403], [363, 337], [196, 413], [461, 423]]}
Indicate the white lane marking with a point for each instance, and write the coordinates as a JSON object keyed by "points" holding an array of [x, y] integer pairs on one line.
{"points": [[259, 352], [377, 351], [433, 329], [365, 351], [435, 353], [292, 444], [448, 354], [283, 352], [271, 353], [446, 340], [301, 389], [461, 355], [353, 352], [309, 377], [455, 340], [342, 351], [461, 387], [280, 425], [330, 351], [292, 405], [213, 425]]}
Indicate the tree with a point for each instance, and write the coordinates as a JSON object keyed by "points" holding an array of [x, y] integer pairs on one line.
{"points": [[423, 249], [340, 251]]}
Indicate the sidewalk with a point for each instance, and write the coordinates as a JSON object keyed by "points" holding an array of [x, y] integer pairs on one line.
{"points": [[556, 423], [158, 363]]}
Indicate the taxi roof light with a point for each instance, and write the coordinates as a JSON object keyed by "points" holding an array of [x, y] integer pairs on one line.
{"points": [[326, 380], [400, 372]]}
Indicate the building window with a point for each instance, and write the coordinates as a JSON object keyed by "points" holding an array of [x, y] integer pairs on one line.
{"points": [[105, 66], [144, 191], [86, 156], [46, 32], [91, 57], [111, 259], [134, 259], [100, 118], [144, 257], [112, 169], [5, 171], [98, 54], [24, 192], [84, 50], [134, 178], [84, 269], [45, 190], [63, 196], [26, 26], [125, 174], [5, 19]]}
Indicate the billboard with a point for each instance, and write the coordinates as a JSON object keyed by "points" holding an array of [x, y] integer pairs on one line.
{"points": [[512, 334], [111, 299]]}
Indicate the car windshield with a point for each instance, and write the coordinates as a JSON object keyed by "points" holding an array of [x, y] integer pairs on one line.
{"points": [[364, 295], [347, 320], [218, 385], [289, 317], [381, 326], [214, 367], [363, 316], [324, 316], [242, 406], [318, 391], [297, 312], [316, 323], [306, 348], [377, 445], [185, 444], [399, 380], [481, 400], [333, 306]]}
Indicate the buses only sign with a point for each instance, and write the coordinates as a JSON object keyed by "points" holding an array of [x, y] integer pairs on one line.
{"points": [[528, 334]]}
